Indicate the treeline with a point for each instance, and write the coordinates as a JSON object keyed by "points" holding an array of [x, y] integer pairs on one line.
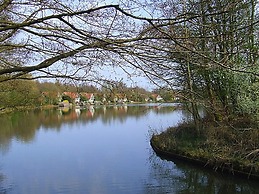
{"points": [[15, 93]]}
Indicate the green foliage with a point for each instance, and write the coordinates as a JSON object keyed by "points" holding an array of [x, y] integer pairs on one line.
{"points": [[18, 93], [98, 96], [215, 63], [51, 98], [248, 98], [83, 98]]}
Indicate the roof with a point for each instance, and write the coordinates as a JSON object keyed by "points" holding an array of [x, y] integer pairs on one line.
{"points": [[72, 95], [86, 95]]}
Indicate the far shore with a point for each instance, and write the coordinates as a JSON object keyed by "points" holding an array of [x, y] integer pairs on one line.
{"points": [[32, 107]]}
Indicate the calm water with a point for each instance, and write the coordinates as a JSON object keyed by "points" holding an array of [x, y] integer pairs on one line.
{"points": [[101, 150]]}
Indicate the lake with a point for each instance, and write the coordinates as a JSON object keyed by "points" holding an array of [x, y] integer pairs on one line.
{"points": [[100, 150]]}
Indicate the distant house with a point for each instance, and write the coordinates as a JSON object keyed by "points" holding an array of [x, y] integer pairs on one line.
{"points": [[120, 98], [146, 98], [88, 96], [157, 97], [73, 96]]}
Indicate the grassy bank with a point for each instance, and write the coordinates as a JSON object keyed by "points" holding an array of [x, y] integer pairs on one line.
{"points": [[229, 149]]}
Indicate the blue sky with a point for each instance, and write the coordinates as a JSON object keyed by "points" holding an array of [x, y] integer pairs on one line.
{"points": [[132, 79]]}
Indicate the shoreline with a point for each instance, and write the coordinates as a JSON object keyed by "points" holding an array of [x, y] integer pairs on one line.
{"points": [[169, 146], [230, 170], [24, 108]]}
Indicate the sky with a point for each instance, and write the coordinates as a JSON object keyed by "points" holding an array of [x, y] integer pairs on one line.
{"points": [[131, 80]]}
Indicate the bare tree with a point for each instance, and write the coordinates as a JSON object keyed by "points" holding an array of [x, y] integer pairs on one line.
{"points": [[62, 38], [190, 45]]}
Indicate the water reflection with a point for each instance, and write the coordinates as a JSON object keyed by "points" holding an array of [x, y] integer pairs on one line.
{"points": [[2, 190], [98, 150], [181, 177], [22, 126], [3, 187]]}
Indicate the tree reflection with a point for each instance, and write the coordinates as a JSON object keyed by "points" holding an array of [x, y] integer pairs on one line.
{"points": [[18, 125], [3, 188], [183, 178], [23, 125]]}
